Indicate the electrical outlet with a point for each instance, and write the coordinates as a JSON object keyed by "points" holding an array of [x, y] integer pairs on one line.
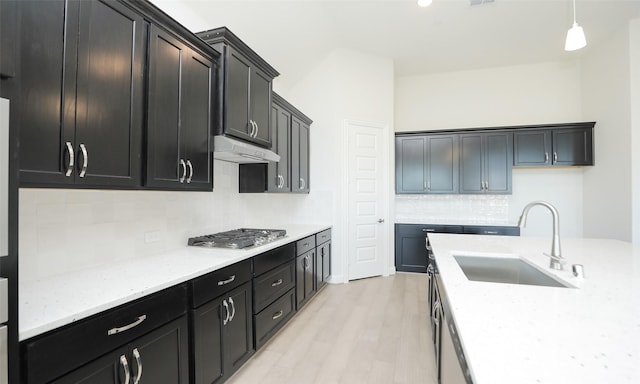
{"points": [[152, 237]]}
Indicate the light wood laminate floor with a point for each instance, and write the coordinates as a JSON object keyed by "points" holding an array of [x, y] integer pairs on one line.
{"points": [[367, 331]]}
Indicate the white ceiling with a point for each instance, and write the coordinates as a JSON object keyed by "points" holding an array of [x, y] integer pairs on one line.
{"points": [[449, 35]]}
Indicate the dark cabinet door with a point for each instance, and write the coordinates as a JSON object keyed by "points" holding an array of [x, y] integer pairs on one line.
{"points": [[279, 174], [323, 264], [82, 117], [411, 176], [207, 341], [498, 162], [179, 113], [486, 160], [573, 146], [471, 164], [442, 164], [237, 96], [305, 277], [238, 332], [47, 97], [110, 97], [196, 121], [109, 369], [532, 148], [163, 132], [299, 156], [260, 103]]}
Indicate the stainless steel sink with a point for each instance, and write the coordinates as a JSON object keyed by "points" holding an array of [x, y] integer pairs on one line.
{"points": [[507, 270]]}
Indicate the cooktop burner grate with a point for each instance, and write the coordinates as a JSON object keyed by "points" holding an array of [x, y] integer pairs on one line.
{"points": [[238, 238]]}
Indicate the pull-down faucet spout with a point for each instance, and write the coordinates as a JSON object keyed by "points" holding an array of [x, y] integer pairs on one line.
{"points": [[557, 260]]}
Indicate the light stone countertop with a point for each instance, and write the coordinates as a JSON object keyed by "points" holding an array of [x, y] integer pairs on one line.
{"points": [[482, 222], [60, 300], [531, 334]]}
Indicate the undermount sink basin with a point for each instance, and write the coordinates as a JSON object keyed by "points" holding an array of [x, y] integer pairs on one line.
{"points": [[507, 270]]}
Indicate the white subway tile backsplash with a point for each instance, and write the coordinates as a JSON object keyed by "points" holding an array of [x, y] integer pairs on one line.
{"points": [[481, 209]]}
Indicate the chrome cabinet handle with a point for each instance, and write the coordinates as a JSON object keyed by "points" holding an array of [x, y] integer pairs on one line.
{"points": [[555, 157], [308, 263], [276, 283], [277, 315], [428, 230], [424, 186], [125, 367], [233, 309], [302, 183], [184, 170], [136, 355], [257, 129], [546, 157], [127, 327], [252, 128], [72, 159], [226, 309], [430, 270], [490, 232], [229, 280], [85, 160], [190, 171]]}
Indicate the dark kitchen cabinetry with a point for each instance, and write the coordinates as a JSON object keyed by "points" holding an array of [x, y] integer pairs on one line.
{"points": [[305, 270], [486, 159], [558, 145], [222, 323], [427, 164], [290, 132], [147, 339], [180, 99], [323, 258], [300, 155], [81, 102], [245, 91], [274, 291], [410, 241]]}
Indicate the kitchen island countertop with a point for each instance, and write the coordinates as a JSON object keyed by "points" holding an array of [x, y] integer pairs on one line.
{"points": [[532, 334], [63, 299]]}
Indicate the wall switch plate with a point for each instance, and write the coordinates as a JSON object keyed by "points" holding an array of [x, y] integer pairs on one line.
{"points": [[152, 237]]}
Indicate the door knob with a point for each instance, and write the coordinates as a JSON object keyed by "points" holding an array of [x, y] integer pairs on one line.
{"points": [[380, 220]]}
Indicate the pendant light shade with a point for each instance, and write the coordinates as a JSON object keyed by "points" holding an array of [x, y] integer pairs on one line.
{"points": [[424, 3], [575, 36]]}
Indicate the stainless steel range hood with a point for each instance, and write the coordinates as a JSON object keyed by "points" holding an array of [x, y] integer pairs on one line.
{"points": [[236, 151]]}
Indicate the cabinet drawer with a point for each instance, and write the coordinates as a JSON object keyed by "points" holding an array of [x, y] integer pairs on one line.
{"points": [[271, 259], [323, 236], [423, 229], [273, 317], [216, 283], [272, 285], [305, 245], [60, 351], [491, 230]]}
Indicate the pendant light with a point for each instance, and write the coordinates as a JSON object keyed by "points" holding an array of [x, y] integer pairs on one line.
{"points": [[575, 36], [424, 3]]}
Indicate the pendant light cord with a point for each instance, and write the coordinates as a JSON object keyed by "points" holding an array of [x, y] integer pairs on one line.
{"points": [[574, 11]]}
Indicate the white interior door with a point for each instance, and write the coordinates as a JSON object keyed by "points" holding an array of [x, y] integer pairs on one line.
{"points": [[367, 173]]}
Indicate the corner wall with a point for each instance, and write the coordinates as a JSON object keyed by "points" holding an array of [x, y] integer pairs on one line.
{"points": [[606, 98], [634, 46]]}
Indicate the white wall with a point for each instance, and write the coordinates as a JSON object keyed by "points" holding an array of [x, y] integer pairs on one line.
{"points": [[517, 95], [606, 99], [346, 85], [634, 54]]}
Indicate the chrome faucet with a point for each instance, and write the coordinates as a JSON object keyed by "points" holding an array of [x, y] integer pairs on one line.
{"points": [[557, 260]]}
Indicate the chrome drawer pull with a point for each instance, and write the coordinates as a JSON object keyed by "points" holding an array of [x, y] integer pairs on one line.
{"points": [[276, 283], [229, 280], [125, 367], [490, 232], [428, 230], [226, 307], [127, 327], [190, 171], [277, 315], [136, 354], [233, 309]]}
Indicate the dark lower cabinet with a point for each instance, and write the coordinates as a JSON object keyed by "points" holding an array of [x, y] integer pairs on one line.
{"points": [[305, 277], [222, 335], [158, 357], [323, 264]]}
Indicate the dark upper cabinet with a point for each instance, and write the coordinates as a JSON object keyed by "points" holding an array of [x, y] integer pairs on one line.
{"points": [[564, 145], [179, 113], [8, 38], [427, 164], [486, 159], [87, 126], [299, 155], [279, 174], [245, 91]]}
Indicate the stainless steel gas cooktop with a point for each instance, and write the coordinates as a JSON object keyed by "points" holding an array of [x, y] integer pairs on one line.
{"points": [[238, 238]]}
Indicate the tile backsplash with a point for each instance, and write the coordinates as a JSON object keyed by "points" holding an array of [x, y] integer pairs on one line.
{"points": [[64, 230], [449, 209]]}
